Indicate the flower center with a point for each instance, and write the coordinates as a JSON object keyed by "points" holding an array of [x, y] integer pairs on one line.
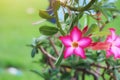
{"points": [[75, 44]]}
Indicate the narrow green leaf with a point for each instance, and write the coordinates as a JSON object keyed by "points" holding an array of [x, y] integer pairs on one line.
{"points": [[88, 19], [41, 38], [48, 30], [34, 51], [107, 14], [38, 73], [44, 14], [59, 60], [101, 33], [76, 1], [75, 19], [93, 28], [66, 16], [117, 74]]}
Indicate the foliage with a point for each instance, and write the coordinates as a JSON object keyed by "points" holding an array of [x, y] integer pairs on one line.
{"points": [[74, 67]]}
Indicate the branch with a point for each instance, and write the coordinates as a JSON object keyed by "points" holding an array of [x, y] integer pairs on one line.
{"points": [[46, 53], [100, 66], [83, 76], [110, 78], [80, 9], [51, 63], [103, 74], [84, 70], [96, 72], [53, 45], [75, 77], [57, 21]]}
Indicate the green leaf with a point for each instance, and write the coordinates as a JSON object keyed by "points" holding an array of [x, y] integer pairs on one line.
{"points": [[66, 16], [59, 60], [101, 33], [44, 14], [107, 14], [75, 19], [77, 1], [88, 19], [110, 7], [48, 30], [53, 71], [93, 28], [65, 76], [41, 39], [117, 74], [38, 73], [34, 51]]}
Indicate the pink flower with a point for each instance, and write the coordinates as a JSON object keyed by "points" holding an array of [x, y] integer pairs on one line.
{"points": [[75, 43], [114, 48]]}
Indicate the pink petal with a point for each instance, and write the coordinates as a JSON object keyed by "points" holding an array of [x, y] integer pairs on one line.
{"points": [[109, 53], [117, 41], [84, 42], [68, 52], [116, 52], [80, 52], [113, 35], [75, 34], [66, 40]]}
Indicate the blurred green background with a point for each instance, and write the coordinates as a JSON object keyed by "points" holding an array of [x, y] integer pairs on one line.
{"points": [[16, 31]]}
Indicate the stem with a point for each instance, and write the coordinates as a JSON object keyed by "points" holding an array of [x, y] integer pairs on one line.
{"points": [[80, 9], [97, 65], [54, 47], [84, 70], [46, 53], [103, 74], [51, 63], [62, 32], [58, 23], [98, 73], [83, 76], [76, 75], [110, 78]]}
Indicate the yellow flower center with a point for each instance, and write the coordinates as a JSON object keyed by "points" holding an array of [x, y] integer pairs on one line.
{"points": [[74, 44]]}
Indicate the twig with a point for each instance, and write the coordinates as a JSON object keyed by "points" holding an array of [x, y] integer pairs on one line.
{"points": [[51, 63], [110, 78], [83, 76], [97, 65], [46, 53], [80, 9], [53, 45], [113, 76], [108, 66], [96, 72], [84, 70], [75, 77], [101, 28], [57, 21], [103, 74]]}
